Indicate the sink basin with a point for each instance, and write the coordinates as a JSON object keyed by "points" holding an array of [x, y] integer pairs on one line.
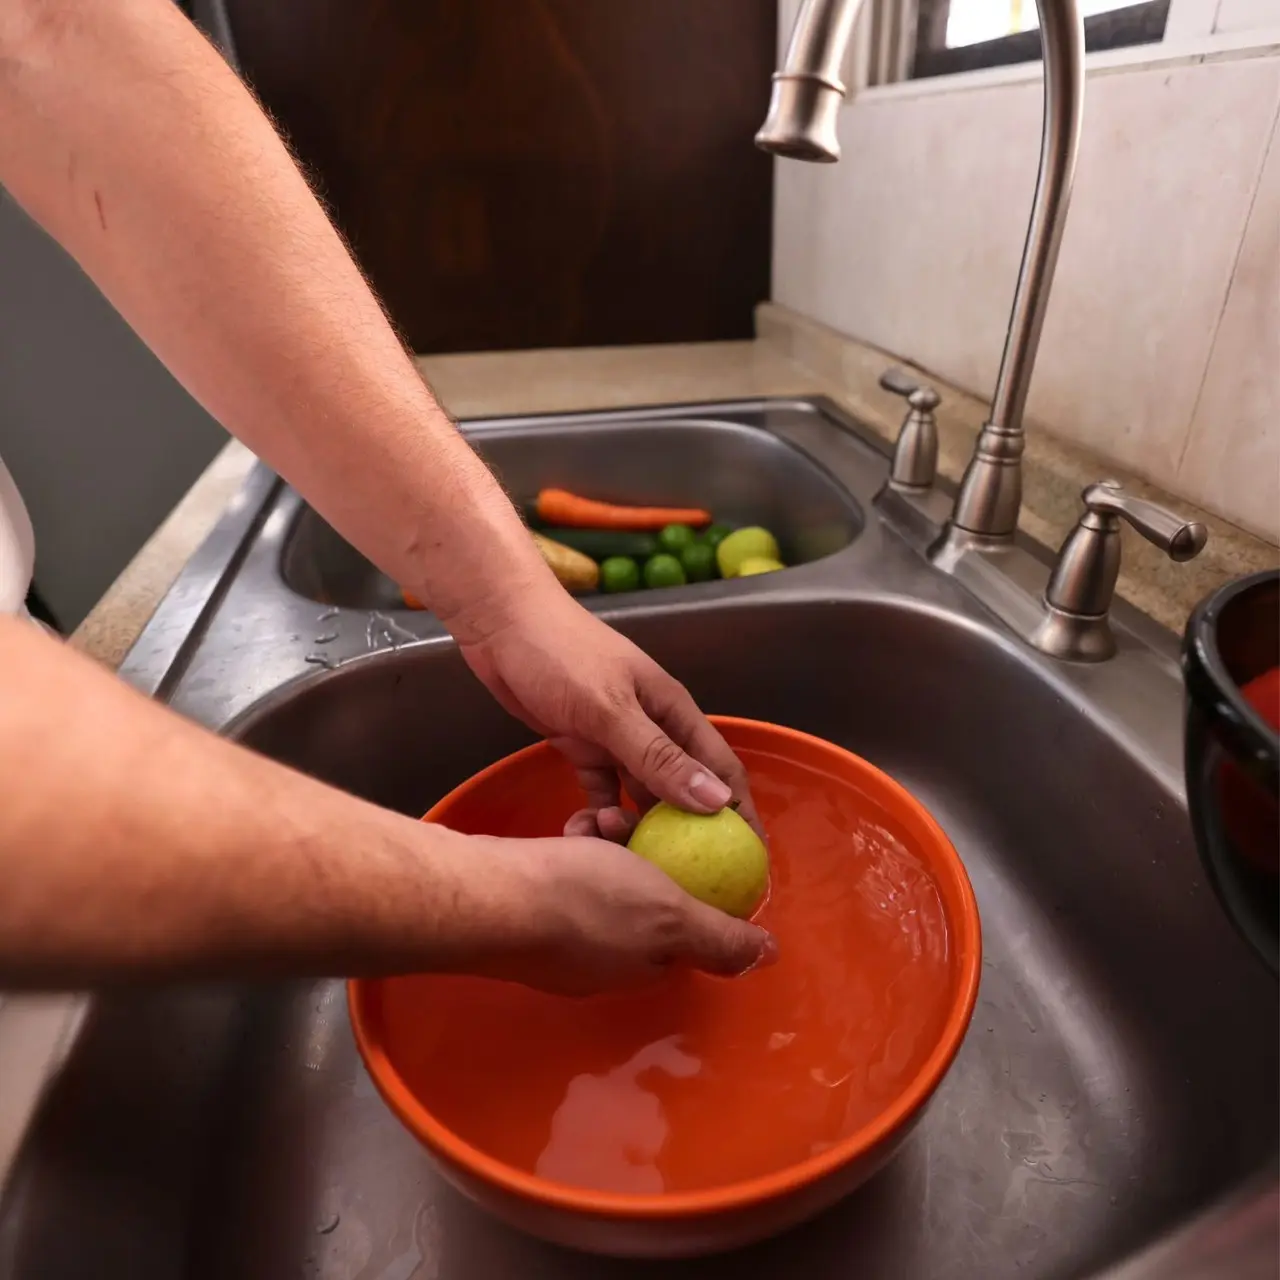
{"points": [[1094, 1101], [742, 472], [1120, 1074]]}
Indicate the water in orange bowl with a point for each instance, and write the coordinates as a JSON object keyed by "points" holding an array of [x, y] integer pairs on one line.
{"points": [[699, 1082]]}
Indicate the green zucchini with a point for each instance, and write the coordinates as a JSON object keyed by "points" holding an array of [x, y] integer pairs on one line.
{"points": [[600, 544]]}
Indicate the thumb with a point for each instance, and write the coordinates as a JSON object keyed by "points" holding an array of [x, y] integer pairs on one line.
{"points": [[661, 765], [721, 944]]}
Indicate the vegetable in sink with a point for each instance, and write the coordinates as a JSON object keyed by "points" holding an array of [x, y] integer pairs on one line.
{"points": [[622, 556], [559, 506]]}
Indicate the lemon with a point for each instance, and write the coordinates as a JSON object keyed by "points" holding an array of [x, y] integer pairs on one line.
{"points": [[759, 564], [745, 544], [717, 858]]}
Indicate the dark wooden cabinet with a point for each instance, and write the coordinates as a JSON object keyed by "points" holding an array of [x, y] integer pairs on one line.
{"points": [[533, 173]]}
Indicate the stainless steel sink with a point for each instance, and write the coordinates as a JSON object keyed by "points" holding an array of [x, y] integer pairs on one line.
{"points": [[1120, 1075], [742, 471]]}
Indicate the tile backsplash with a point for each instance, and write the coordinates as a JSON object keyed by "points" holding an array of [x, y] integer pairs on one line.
{"points": [[1161, 347]]}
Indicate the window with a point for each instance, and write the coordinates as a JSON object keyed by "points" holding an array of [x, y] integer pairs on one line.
{"points": [[966, 35]]}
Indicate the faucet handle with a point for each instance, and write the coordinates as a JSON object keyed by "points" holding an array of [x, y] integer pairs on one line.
{"points": [[915, 455], [1179, 539], [1083, 582], [901, 383]]}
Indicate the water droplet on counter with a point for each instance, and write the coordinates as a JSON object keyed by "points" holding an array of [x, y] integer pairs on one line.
{"points": [[328, 615], [329, 1225], [386, 630], [319, 660], [328, 638]]}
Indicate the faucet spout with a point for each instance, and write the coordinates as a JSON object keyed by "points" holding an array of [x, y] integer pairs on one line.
{"points": [[990, 495], [809, 88], [801, 124]]}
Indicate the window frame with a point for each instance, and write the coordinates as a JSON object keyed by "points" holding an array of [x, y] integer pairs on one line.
{"points": [[1143, 23]]}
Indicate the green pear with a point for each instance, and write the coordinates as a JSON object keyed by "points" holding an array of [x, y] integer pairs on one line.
{"points": [[717, 858]]}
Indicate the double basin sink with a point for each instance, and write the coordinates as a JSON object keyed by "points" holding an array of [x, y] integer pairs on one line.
{"points": [[1120, 1075]]}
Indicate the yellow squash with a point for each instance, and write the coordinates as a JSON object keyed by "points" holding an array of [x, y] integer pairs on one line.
{"points": [[575, 571]]}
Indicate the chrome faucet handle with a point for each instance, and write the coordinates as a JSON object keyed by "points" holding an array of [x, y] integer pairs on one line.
{"points": [[1083, 582], [915, 455], [1179, 539], [899, 381]]}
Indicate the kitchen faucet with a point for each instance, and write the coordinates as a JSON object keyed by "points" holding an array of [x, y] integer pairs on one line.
{"points": [[801, 124]]}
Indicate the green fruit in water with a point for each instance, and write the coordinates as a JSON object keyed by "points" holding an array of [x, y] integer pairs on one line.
{"points": [[619, 573], [674, 538], [746, 544], [758, 564], [714, 534], [699, 562], [663, 571], [718, 858]]}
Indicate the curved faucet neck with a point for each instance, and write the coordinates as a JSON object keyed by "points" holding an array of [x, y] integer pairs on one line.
{"points": [[802, 124], [990, 495]]}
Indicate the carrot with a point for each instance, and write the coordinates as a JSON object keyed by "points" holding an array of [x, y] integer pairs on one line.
{"points": [[558, 506]]}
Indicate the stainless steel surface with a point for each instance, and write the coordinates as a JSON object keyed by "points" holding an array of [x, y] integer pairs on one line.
{"points": [[915, 454], [1180, 539], [742, 475], [991, 491], [1083, 582], [1238, 1239], [807, 92], [1120, 1076], [899, 381]]}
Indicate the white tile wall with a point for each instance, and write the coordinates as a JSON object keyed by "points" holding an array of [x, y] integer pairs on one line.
{"points": [[1232, 460], [1246, 15], [912, 243]]}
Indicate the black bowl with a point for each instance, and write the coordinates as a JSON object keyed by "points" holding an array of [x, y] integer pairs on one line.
{"points": [[1233, 754]]}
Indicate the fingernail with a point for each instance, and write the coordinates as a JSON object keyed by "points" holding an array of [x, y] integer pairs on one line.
{"points": [[709, 791], [768, 955]]}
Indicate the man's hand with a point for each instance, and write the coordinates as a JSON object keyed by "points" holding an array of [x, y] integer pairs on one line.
{"points": [[591, 917], [136, 846], [618, 718]]}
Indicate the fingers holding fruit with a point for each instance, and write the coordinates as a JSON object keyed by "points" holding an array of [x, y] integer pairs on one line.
{"points": [[613, 823], [599, 918]]}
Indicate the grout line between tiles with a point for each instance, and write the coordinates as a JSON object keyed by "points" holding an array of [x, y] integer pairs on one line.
{"points": [[1272, 141]]}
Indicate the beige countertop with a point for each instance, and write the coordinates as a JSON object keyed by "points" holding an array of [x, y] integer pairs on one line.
{"points": [[792, 356]]}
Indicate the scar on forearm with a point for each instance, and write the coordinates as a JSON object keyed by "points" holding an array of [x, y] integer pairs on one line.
{"points": [[97, 200]]}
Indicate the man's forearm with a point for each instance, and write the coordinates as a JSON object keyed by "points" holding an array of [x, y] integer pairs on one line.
{"points": [[135, 845], [128, 138]]}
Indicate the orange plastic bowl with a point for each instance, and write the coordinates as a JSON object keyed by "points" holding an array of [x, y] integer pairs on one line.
{"points": [[701, 1113]]}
